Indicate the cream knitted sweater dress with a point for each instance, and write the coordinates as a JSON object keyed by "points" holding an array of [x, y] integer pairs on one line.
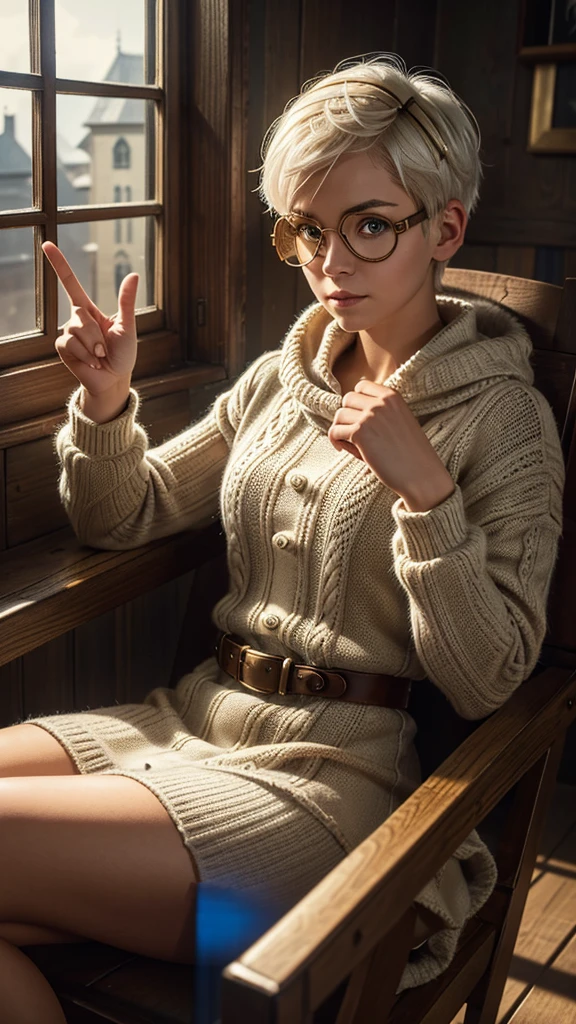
{"points": [[327, 566]]}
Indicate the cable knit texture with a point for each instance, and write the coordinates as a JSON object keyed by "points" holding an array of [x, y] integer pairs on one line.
{"points": [[329, 567]]}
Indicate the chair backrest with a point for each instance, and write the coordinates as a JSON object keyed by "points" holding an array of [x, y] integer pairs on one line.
{"points": [[547, 311], [549, 315]]}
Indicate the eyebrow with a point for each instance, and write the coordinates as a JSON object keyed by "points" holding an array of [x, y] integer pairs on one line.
{"points": [[353, 209]]}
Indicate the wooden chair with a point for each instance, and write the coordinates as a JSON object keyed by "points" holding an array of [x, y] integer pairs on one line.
{"points": [[337, 956]]}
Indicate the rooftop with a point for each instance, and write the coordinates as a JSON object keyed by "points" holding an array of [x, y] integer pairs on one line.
{"points": [[127, 68], [14, 161]]}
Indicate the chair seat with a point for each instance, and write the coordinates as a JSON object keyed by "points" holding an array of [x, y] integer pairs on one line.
{"points": [[96, 982]]}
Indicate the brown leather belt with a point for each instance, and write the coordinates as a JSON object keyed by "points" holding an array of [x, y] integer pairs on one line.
{"points": [[269, 673]]}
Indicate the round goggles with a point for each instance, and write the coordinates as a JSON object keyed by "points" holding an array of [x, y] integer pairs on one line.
{"points": [[369, 236]]}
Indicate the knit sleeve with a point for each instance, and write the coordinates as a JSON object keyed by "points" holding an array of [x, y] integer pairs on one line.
{"points": [[119, 493], [477, 568]]}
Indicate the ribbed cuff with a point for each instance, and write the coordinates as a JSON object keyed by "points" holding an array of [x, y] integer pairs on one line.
{"points": [[104, 439], [429, 535]]}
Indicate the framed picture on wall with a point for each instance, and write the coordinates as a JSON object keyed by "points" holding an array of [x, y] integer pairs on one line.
{"points": [[548, 40], [553, 109]]}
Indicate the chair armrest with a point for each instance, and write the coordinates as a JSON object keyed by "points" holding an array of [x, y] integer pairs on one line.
{"points": [[319, 941], [54, 584]]}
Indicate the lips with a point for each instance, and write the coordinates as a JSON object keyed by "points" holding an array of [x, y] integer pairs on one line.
{"points": [[345, 295]]}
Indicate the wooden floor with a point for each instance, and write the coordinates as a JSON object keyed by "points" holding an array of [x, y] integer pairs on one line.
{"points": [[541, 987]]}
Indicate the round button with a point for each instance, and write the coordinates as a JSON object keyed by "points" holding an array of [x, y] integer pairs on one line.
{"points": [[271, 621], [281, 540], [298, 482]]}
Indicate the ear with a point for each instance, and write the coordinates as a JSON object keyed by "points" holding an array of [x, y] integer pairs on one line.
{"points": [[449, 230]]}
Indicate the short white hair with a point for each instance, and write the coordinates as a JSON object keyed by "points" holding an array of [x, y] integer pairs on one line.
{"points": [[337, 112]]}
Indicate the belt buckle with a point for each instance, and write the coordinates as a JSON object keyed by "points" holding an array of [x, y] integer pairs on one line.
{"points": [[240, 663], [287, 664], [284, 673]]}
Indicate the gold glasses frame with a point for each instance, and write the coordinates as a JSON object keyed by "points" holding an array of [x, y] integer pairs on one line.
{"points": [[399, 228]]}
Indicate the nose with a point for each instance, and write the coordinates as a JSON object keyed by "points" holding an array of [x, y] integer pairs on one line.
{"points": [[335, 255]]}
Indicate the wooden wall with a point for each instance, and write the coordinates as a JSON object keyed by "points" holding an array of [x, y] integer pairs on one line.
{"points": [[524, 225]]}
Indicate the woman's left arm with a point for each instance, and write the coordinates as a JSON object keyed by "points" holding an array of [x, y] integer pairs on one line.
{"points": [[476, 565]]}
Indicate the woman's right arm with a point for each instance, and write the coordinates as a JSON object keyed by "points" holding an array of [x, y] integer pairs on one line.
{"points": [[117, 492]]}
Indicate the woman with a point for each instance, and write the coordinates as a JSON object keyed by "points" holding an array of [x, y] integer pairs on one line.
{"points": [[390, 486]]}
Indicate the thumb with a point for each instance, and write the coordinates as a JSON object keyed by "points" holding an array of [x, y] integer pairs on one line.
{"points": [[127, 300]]}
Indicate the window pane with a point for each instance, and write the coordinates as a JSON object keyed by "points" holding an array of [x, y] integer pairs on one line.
{"points": [[103, 42], [17, 302], [101, 253], [105, 149], [15, 149], [14, 39]]}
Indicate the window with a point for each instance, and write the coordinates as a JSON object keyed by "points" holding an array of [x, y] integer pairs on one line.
{"points": [[182, 198], [122, 266], [121, 154], [70, 200]]}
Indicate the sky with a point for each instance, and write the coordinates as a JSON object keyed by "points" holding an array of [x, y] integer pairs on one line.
{"points": [[86, 41]]}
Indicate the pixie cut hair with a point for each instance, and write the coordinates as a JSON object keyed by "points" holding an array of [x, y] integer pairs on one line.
{"points": [[411, 122]]}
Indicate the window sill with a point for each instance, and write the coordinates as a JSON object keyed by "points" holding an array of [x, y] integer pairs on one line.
{"points": [[194, 375], [54, 584]]}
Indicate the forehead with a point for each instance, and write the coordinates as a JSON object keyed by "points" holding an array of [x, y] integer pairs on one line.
{"points": [[354, 178]]}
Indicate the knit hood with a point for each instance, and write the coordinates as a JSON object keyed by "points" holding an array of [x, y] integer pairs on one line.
{"points": [[480, 344]]}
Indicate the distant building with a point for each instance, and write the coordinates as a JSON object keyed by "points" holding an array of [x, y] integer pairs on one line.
{"points": [[109, 166], [17, 303], [17, 292], [117, 147]]}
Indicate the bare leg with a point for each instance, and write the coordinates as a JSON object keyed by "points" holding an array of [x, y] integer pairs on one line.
{"points": [[30, 750], [92, 856], [25, 995], [97, 856]]}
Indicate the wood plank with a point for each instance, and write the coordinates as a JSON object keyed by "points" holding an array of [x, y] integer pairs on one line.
{"points": [[11, 706], [196, 380], [517, 225], [47, 678], [95, 663], [33, 505], [415, 31], [560, 822], [515, 259], [43, 388], [554, 997], [165, 416], [274, 290], [561, 817], [327, 39], [547, 922], [483, 73], [158, 614], [536, 302], [475, 257], [2, 500], [209, 181], [54, 584]]}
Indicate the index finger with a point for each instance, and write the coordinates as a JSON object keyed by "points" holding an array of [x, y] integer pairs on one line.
{"points": [[66, 275]]}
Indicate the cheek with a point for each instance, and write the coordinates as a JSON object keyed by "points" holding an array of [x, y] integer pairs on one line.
{"points": [[314, 280]]}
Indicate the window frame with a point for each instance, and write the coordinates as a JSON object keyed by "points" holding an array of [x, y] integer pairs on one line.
{"points": [[200, 323]]}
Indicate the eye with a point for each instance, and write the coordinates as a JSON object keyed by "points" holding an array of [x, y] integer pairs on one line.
{"points": [[309, 232], [375, 225]]}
